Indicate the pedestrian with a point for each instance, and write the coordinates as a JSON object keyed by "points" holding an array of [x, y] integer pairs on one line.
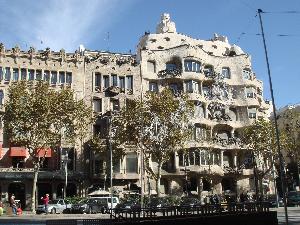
{"points": [[46, 202], [242, 197], [13, 204], [1, 208]]}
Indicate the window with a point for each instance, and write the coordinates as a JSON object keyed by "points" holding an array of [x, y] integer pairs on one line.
{"points": [[206, 91], [106, 81], [62, 77], [129, 83], [189, 86], [1, 73], [131, 163], [114, 80], [250, 92], [199, 109], [115, 105], [208, 70], [69, 78], [122, 83], [97, 80], [200, 132], [226, 72], [53, 77], [23, 74], [171, 66], [15, 74], [46, 75], [97, 105], [246, 74], [151, 67], [192, 66], [7, 74], [30, 75], [153, 87], [252, 113], [1, 97], [38, 75]]}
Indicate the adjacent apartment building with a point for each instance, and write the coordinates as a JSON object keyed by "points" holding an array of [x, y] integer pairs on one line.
{"points": [[216, 75]]}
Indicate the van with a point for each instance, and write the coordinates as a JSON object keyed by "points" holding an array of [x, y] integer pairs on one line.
{"points": [[107, 201]]}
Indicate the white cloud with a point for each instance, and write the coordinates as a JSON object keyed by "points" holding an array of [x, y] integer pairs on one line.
{"points": [[56, 23]]}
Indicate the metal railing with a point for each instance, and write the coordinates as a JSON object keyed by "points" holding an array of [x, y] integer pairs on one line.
{"points": [[181, 211]]}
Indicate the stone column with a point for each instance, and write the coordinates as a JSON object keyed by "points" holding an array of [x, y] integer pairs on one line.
{"points": [[176, 162], [199, 187], [221, 158], [201, 88], [235, 159]]}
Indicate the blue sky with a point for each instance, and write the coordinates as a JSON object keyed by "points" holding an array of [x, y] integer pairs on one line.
{"points": [[68, 23]]}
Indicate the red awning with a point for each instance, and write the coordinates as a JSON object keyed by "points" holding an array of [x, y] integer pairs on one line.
{"points": [[43, 152], [17, 152]]}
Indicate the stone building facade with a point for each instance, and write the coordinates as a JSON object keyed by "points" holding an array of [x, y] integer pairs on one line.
{"points": [[217, 77]]}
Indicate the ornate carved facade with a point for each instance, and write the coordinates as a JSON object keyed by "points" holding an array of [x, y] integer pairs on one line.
{"points": [[217, 77]]}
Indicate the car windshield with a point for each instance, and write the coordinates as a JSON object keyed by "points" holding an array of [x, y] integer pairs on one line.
{"points": [[54, 201]]}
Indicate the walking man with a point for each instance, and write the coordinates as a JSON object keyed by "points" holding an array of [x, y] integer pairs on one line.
{"points": [[46, 202], [13, 204]]}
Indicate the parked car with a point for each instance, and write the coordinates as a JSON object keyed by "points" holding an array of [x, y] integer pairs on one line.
{"points": [[107, 201], [272, 201], [55, 206], [293, 198], [190, 202], [91, 205], [128, 205], [158, 202]]}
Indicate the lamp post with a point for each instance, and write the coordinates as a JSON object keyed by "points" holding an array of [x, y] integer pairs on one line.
{"points": [[282, 172], [109, 118]]}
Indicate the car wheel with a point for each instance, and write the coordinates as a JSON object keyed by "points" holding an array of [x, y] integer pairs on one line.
{"points": [[53, 211]]}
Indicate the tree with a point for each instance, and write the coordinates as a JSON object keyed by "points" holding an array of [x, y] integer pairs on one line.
{"points": [[158, 125], [289, 124], [39, 118], [260, 139]]}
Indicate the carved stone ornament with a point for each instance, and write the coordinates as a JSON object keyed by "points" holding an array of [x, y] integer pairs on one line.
{"points": [[122, 60], [16, 52], [47, 54], [63, 56], [2, 48], [165, 25]]}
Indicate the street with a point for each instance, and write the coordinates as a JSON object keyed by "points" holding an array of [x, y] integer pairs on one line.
{"points": [[293, 214], [30, 219]]}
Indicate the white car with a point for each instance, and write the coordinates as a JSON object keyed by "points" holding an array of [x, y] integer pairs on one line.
{"points": [[54, 206]]}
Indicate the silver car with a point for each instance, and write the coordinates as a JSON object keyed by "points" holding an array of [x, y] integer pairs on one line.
{"points": [[54, 206]]}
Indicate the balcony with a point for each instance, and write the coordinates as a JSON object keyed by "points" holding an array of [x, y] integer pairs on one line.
{"points": [[114, 90], [170, 73]]}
